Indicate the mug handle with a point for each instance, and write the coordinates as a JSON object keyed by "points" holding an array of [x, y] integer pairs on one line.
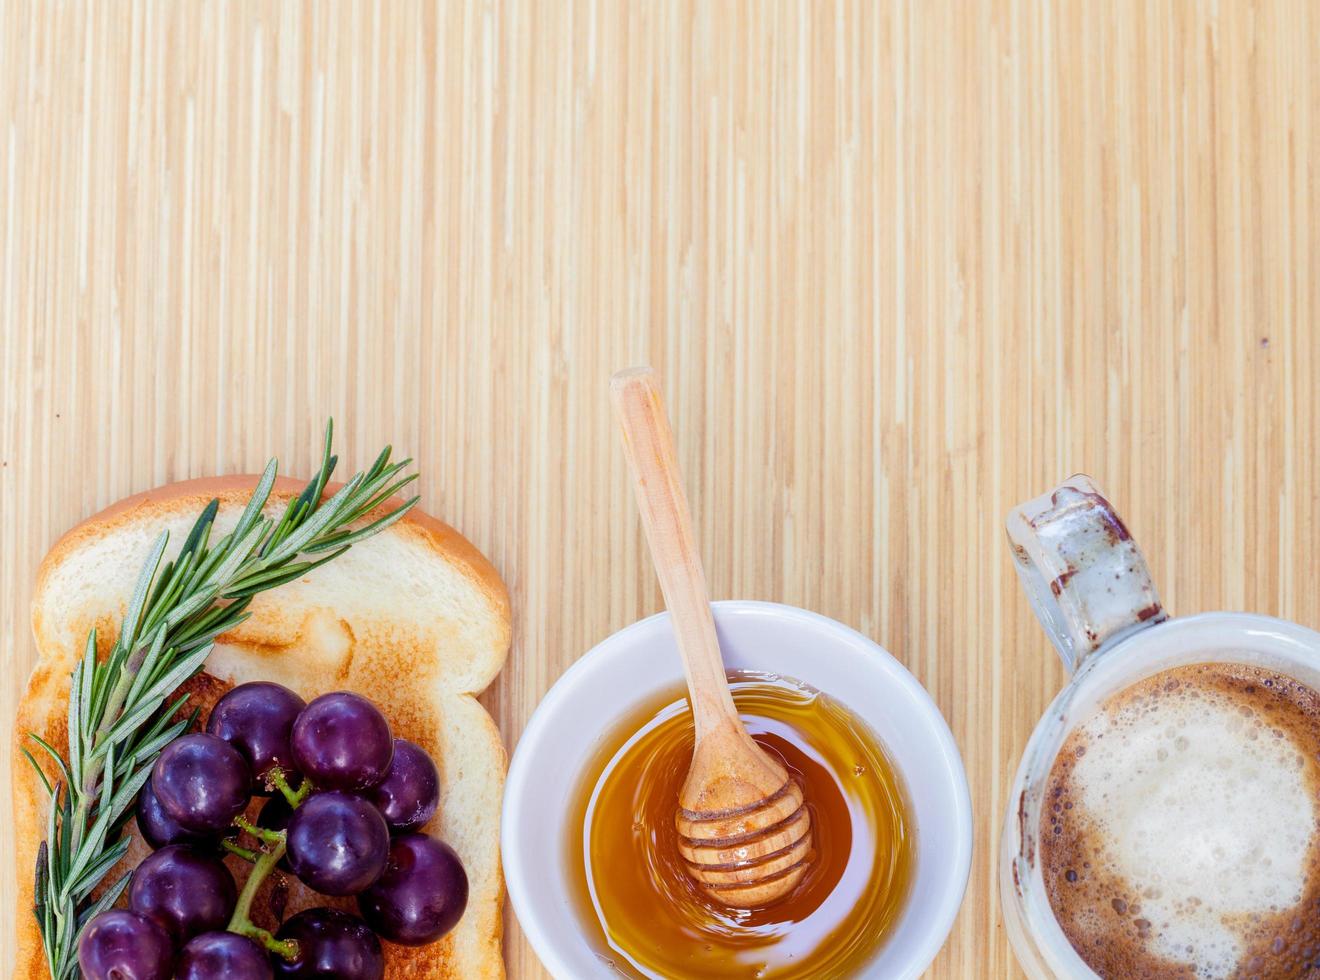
{"points": [[1086, 578]]}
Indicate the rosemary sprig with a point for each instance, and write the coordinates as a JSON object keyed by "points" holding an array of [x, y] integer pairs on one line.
{"points": [[121, 708]]}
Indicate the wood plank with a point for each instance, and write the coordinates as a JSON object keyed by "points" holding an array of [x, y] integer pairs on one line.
{"points": [[900, 265]]}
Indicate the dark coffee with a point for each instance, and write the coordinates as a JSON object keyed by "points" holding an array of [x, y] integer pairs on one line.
{"points": [[1179, 831]]}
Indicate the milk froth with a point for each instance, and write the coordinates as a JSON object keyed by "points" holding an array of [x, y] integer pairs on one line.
{"points": [[1179, 830]]}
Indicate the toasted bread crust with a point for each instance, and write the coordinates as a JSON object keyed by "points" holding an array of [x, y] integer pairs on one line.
{"points": [[166, 500], [420, 709]]}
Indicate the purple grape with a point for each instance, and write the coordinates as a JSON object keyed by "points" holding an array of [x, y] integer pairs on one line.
{"points": [[120, 945], [257, 719], [157, 827], [330, 944], [410, 792], [184, 891], [342, 741], [337, 843], [421, 895], [224, 955], [202, 782]]}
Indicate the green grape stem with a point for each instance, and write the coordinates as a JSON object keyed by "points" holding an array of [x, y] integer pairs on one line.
{"points": [[245, 853], [275, 779], [267, 837], [241, 921]]}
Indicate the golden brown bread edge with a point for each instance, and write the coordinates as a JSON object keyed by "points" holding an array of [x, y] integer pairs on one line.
{"points": [[413, 709]]}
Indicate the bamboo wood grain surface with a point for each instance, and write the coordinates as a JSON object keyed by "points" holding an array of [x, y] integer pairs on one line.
{"points": [[900, 265]]}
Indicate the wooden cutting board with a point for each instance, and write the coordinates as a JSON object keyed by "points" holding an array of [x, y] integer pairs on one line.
{"points": [[971, 247]]}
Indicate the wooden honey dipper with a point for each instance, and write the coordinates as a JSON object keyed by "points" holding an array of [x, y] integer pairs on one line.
{"points": [[744, 829]]}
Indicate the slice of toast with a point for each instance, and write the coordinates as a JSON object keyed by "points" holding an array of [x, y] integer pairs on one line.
{"points": [[414, 618]]}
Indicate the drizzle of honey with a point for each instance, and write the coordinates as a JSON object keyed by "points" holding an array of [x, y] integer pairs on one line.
{"points": [[648, 918]]}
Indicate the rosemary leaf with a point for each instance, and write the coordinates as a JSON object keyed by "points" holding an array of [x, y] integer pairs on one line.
{"points": [[389, 491], [49, 853], [85, 856], [43, 875], [77, 730], [151, 665], [276, 577], [128, 631], [107, 899], [50, 750], [343, 540], [101, 684], [108, 780], [258, 500], [88, 675], [331, 511], [153, 739], [127, 793], [91, 876], [41, 773]]}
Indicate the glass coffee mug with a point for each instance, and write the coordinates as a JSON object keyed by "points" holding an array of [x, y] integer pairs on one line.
{"points": [[1092, 592]]}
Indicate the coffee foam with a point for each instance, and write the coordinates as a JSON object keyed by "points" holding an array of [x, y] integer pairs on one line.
{"points": [[1179, 834]]}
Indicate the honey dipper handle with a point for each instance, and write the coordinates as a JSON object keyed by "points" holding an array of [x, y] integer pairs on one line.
{"points": [[649, 445]]}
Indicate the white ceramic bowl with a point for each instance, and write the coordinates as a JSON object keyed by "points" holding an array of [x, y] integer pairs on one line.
{"points": [[630, 666]]}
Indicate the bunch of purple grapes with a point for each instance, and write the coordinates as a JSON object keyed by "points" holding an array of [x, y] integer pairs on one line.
{"points": [[346, 802]]}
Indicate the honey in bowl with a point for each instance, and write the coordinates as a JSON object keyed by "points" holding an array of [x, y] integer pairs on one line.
{"points": [[651, 920]]}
